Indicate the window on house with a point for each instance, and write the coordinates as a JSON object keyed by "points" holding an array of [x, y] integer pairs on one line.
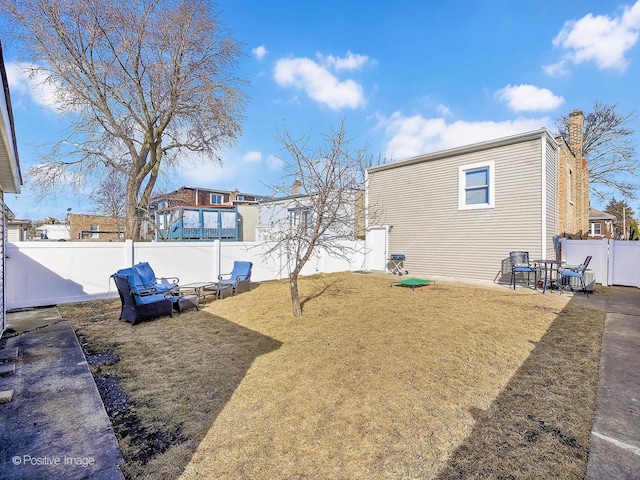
{"points": [[476, 187], [94, 227], [300, 218], [162, 204], [216, 199], [596, 229], [240, 198]]}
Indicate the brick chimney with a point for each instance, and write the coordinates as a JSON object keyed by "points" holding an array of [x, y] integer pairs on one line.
{"points": [[576, 122], [297, 184]]}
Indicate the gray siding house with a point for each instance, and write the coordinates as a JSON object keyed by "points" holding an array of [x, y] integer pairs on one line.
{"points": [[10, 177], [459, 212]]}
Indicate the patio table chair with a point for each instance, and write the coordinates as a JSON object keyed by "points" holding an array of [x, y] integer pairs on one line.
{"points": [[139, 303], [567, 274], [238, 280], [520, 264]]}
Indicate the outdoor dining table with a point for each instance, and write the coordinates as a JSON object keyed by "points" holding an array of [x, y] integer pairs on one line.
{"points": [[548, 265]]}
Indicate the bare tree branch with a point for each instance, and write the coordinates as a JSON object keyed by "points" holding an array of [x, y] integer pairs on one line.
{"points": [[139, 81], [320, 189], [609, 149]]}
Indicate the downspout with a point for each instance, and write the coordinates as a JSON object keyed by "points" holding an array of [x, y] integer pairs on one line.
{"points": [[543, 157]]}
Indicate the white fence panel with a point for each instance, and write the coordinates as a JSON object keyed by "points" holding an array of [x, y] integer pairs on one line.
{"points": [[49, 273], [189, 261], [574, 252], [625, 263]]}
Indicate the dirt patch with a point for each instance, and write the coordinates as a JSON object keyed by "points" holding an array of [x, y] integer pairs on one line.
{"points": [[127, 425]]}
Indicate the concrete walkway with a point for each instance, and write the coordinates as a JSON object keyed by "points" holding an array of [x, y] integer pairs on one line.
{"points": [[615, 437], [53, 423]]}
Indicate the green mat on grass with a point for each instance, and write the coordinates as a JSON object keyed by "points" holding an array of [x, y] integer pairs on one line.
{"points": [[413, 282]]}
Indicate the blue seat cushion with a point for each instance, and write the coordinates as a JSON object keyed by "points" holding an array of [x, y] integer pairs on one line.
{"points": [[146, 273], [241, 271], [569, 273], [524, 269]]}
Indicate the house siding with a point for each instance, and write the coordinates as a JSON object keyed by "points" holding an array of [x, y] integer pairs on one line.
{"points": [[551, 154], [3, 247], [420, 202]]}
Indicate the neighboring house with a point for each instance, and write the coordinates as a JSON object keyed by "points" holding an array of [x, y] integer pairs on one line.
{"points": [[201, 197], [17, 230], [459, 212], [95, 227], [211, 218], [573, 182], [53, 231], [600, 224], [197, 224], [279, 214], [10, 176]]}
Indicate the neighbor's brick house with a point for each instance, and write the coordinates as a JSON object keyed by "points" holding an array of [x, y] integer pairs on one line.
{"points": [[573, 182], [600, 224], [95, 227]]}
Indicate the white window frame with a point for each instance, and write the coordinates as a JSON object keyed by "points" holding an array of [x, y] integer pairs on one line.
{"points": [[94, 227], [592, 229], [462, 185], [216, 195]]}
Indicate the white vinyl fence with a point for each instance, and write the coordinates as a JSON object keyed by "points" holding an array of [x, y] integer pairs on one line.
{"points": [[49, 273], [615, 262]]}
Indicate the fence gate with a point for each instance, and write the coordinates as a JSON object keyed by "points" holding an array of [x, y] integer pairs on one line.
{"points": [[624, 257], [615, 262], [376, 247]]}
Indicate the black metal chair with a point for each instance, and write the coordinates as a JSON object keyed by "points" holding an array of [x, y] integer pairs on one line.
{"points": [[569, 273], [520, 264]]}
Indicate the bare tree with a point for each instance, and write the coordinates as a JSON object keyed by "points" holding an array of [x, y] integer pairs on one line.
{"points": [[320, 192], [110, 197], [609, 148], [624, 224], [140, 82]]}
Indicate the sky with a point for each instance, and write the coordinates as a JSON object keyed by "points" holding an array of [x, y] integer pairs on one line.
{"points": [[407, 78]]}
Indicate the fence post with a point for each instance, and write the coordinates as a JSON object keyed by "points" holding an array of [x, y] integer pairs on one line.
{"points": [[129, 257]]}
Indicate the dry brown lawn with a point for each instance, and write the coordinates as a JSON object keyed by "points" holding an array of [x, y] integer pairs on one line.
{"points": [[447, 381]]}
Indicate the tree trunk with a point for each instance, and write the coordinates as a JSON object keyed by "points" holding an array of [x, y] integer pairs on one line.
{"points": [[133, 217], [295, 295]]}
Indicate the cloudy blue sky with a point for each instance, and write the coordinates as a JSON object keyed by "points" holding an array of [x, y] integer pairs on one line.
{"points": [[407, 77]]}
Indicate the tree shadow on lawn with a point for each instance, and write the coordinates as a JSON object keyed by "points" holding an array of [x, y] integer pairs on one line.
{"points": [[165, 381], [540, 424]]}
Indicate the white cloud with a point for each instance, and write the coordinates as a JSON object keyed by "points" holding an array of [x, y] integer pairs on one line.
{"points": [[318, 83], [33, 85], [600, 39], [529, 98], [260, 52], [252, 157], [350, 62], [416, 135]]}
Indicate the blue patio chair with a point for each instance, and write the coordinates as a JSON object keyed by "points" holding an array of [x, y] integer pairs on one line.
{"points": [[139, 303], [147, 279], [238, 280], [569, 273], [520, 264]]}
